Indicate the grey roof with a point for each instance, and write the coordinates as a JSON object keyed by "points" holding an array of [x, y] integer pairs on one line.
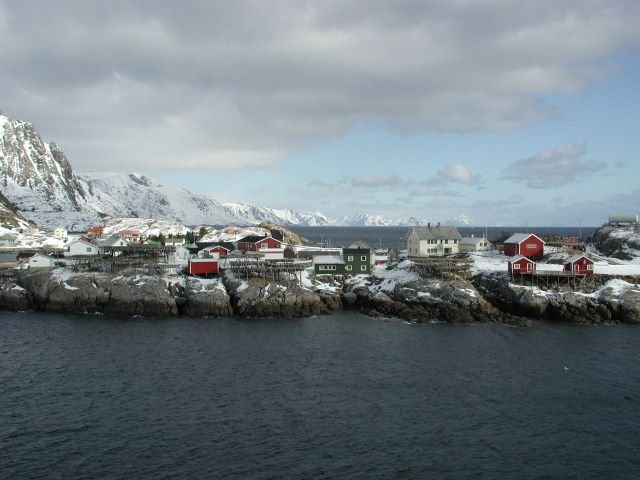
{"points": [[435, 233], [575, 258], [473, 240], [112, 241], [328, 260], [521, 237]]}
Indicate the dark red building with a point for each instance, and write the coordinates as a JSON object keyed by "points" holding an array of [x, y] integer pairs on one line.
{"points": [[521, 265], [524, 244], [580, 265], [253, 243], [203, 266]]}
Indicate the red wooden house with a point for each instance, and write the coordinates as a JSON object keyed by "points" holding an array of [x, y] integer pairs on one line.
{"points": [[253, 243], [215, 249], [95, 231], [203, 266], [579, 264], [521, 265], [131, 235], [524, 244]]}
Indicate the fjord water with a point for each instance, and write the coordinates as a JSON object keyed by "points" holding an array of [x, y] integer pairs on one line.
{"points": [[341, 396]]}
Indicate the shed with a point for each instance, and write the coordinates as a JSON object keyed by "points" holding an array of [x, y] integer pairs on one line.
{"points": [[524, 244], [203, 266], [579, 264], [41, 261], [519, 265]]}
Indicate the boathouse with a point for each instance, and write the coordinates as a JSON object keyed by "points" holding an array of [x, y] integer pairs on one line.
{"points": [[521, 265], [579, 265], [524, 244]]}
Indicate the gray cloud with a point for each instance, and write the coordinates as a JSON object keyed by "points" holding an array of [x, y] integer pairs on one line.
{"points": [[553, 167], [378, 181], [233, 85]]}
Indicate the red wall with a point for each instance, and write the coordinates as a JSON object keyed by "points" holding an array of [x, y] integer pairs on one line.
{"points": [[203, 268], [252, 247], [524, 264], [531, 247], [580, 267]]}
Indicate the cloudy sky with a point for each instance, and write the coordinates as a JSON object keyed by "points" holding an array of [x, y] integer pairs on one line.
{"points": [[509, 112]]}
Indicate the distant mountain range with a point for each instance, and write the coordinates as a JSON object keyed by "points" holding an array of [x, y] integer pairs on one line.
{"points": [[38, 180]]}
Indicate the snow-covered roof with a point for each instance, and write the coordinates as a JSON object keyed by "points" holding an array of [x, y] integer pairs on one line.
{"points": [[472, 240], [521, 237], [517, 258], [437, 232], [113, 241], [328, 260], [575, 258]]}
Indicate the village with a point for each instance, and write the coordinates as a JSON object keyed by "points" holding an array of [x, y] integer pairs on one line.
{"points": [[273, 254]]}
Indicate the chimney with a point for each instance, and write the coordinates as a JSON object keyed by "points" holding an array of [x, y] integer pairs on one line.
{"points": [[429, 225], [438, 224]]}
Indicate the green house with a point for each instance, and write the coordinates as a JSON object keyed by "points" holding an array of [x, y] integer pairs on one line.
{"points": [[357, 260], [328, 265]]}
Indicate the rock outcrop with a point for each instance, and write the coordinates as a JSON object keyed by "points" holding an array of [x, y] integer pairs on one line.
{"points": [[603, 306], [426, 301], [489, 297], [260, 298]]}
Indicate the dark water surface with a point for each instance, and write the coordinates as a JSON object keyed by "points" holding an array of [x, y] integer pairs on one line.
{"points": [[393, 237], [342, 396]]}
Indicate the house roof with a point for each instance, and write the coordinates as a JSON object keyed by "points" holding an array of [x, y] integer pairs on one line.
{"points": [[356, 251], [228, 245], [521, 237], [359, 244], [328, 260], [575, 258], [438, 232], [254, 239], [472, 240], [80, 240], [113, 241], [517, 258]]}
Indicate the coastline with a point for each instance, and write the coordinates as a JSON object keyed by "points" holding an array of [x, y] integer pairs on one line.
{"points": [[486, 297]]}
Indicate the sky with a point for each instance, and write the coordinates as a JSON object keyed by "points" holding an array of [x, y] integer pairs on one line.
{"points": [[508, 112]]}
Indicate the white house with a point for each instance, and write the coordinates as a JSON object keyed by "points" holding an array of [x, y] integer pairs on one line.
{"points": [[475, 244], [432, 241], [41, 261], [181, 254], [60, 233], [81, 247], [272, 253]]}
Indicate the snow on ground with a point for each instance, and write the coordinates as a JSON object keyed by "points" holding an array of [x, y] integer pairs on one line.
{"points": [[233, 234], [491, 261], [385, 280]]}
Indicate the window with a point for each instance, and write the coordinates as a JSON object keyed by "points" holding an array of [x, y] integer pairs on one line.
{"points": [[446, 241], [350, 258], [363, 268], [363, 258], [589, 267], [348, 268], [88, 249], [531, 245], [516, 266], [264, 245]]}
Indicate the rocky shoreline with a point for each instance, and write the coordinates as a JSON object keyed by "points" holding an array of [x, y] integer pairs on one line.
{"points": [[487, 297]]}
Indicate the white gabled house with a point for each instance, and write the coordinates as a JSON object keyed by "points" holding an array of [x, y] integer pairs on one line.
{"points": [[41, 261], [432, 241], [81, 247], [475, 244]]}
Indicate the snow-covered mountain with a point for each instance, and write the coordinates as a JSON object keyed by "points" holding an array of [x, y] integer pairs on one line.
{"points": [[10, 219], [284, 217], [37, 177]]}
